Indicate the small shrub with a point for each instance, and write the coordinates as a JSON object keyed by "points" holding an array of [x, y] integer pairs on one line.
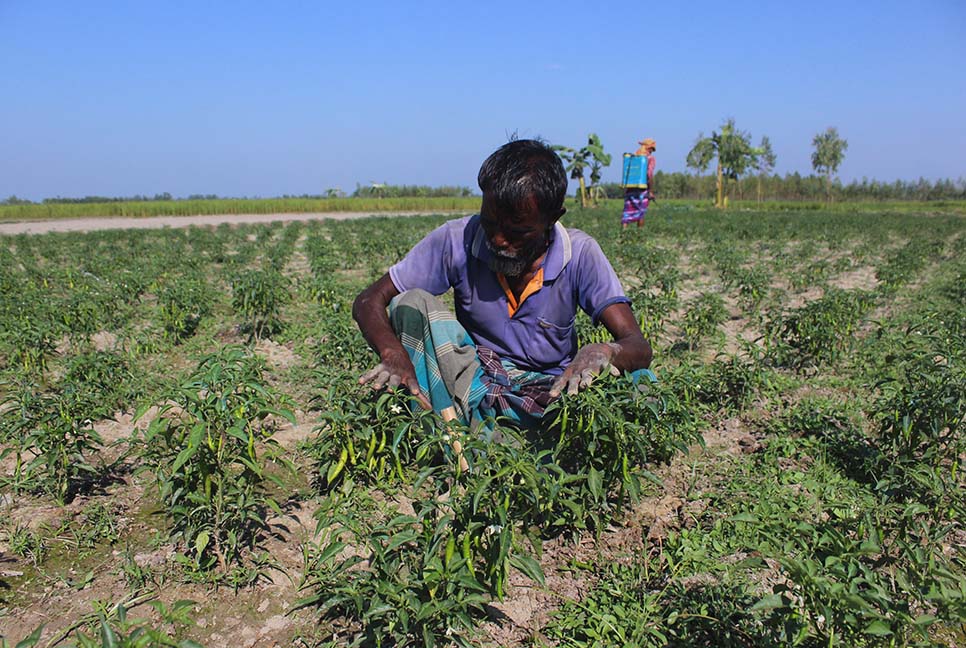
{"points": [[53, 440], [819, 332], [258, 297], [210, 448], [605, 436], [702, 318], [182, 303]]}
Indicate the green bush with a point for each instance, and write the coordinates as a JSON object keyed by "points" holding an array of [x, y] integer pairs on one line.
{"points": [[258, 297], [211, 449]]}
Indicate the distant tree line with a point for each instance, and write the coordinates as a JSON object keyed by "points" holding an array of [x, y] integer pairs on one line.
{"points": [[692, 186], [112, 199], [375, 190], [794, 186]]}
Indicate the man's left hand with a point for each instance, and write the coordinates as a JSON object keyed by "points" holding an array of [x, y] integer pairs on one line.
{"points": [[589, 362]]}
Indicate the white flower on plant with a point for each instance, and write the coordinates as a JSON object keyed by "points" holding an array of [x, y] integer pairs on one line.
{"points": [[446, 438], [492, 529], [395, 409]]}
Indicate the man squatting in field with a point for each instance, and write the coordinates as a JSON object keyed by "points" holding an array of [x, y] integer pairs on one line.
{"points": [[518, 276]]}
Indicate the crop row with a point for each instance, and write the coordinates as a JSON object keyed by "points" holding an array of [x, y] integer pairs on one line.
{"points": [[839, 529]]}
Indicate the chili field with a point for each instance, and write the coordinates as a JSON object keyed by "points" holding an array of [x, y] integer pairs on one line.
{"points": [[186, 457]]}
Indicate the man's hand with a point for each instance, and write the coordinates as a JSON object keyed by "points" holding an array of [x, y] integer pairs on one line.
{"points": [[589, 362], [395, 370]]}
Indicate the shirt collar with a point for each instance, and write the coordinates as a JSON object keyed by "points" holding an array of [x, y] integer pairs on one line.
{"points": [[558, 255]]}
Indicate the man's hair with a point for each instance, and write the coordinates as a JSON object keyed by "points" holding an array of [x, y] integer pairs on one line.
{"points": [[523, 168]]}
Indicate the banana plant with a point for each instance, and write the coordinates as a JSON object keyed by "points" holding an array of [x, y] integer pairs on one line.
{"points": [[577, 160]]}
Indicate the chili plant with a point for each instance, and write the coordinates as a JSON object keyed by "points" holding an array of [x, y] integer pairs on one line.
{"points": [[428, 575], [605, 436], [105, 378], [820, 331], [702, 318], [505, 488], [116, 630], [33, 342], [920, 416], [182, 303], [258, 297], [752, 284], [416, 587], [53, 440], [211, 449], [840, 589], [362, 437]]}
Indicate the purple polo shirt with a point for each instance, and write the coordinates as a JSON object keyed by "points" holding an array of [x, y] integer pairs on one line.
{"points": [[540, 336]]}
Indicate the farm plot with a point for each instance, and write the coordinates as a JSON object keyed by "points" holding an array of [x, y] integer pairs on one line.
{"points": [[186, 457]]}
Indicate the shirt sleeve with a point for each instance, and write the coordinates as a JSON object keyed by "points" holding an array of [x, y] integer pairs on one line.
{"points": [[427, 265], [597, 284]]}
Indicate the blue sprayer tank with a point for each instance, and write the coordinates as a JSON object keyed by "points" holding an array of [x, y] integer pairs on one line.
{"points": [[635, 172]]}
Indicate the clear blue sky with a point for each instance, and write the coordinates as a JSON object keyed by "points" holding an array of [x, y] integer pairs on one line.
{"points": [[272, 98]]}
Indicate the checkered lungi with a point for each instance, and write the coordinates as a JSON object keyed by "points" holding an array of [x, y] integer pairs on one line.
{"points": [[453, 371]]}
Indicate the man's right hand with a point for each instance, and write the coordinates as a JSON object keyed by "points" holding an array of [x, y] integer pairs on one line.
{"points": [[393, 371]]}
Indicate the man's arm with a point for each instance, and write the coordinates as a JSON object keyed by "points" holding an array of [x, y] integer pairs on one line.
{"points": [[628, 352], [635, 352], [395, 368]]}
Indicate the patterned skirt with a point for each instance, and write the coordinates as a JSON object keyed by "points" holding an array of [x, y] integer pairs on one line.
{"points": [[454, 372], [635, 206]]}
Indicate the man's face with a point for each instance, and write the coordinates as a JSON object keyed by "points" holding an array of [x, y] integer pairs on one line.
{"points": [[515, 238]]}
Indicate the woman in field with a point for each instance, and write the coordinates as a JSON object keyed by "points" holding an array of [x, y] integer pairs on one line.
{"points": [[635, 199]]}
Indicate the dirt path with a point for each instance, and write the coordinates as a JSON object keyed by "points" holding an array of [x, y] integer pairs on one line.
{"points": [[158, 222]]}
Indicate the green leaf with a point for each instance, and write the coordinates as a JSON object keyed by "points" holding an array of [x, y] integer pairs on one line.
{"points": [[594, 483], [400, 539], [182, 458], [108, 637], [31, 640], [527, 566], [744, 517], [767, 603], [197, 432], [879, 628], [330, 551], [239, 433], [201, 542]]}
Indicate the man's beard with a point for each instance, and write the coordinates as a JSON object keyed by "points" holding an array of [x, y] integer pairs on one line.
{"points": [[514, 265]]}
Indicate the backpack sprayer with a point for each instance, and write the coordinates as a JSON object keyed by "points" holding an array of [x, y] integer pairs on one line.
{"points": [[635, 172]]}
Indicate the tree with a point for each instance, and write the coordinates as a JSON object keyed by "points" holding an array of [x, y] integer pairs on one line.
{"points": [[733, 151], [599, 160], [828, 155], [579, 159], [766, 161]]}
